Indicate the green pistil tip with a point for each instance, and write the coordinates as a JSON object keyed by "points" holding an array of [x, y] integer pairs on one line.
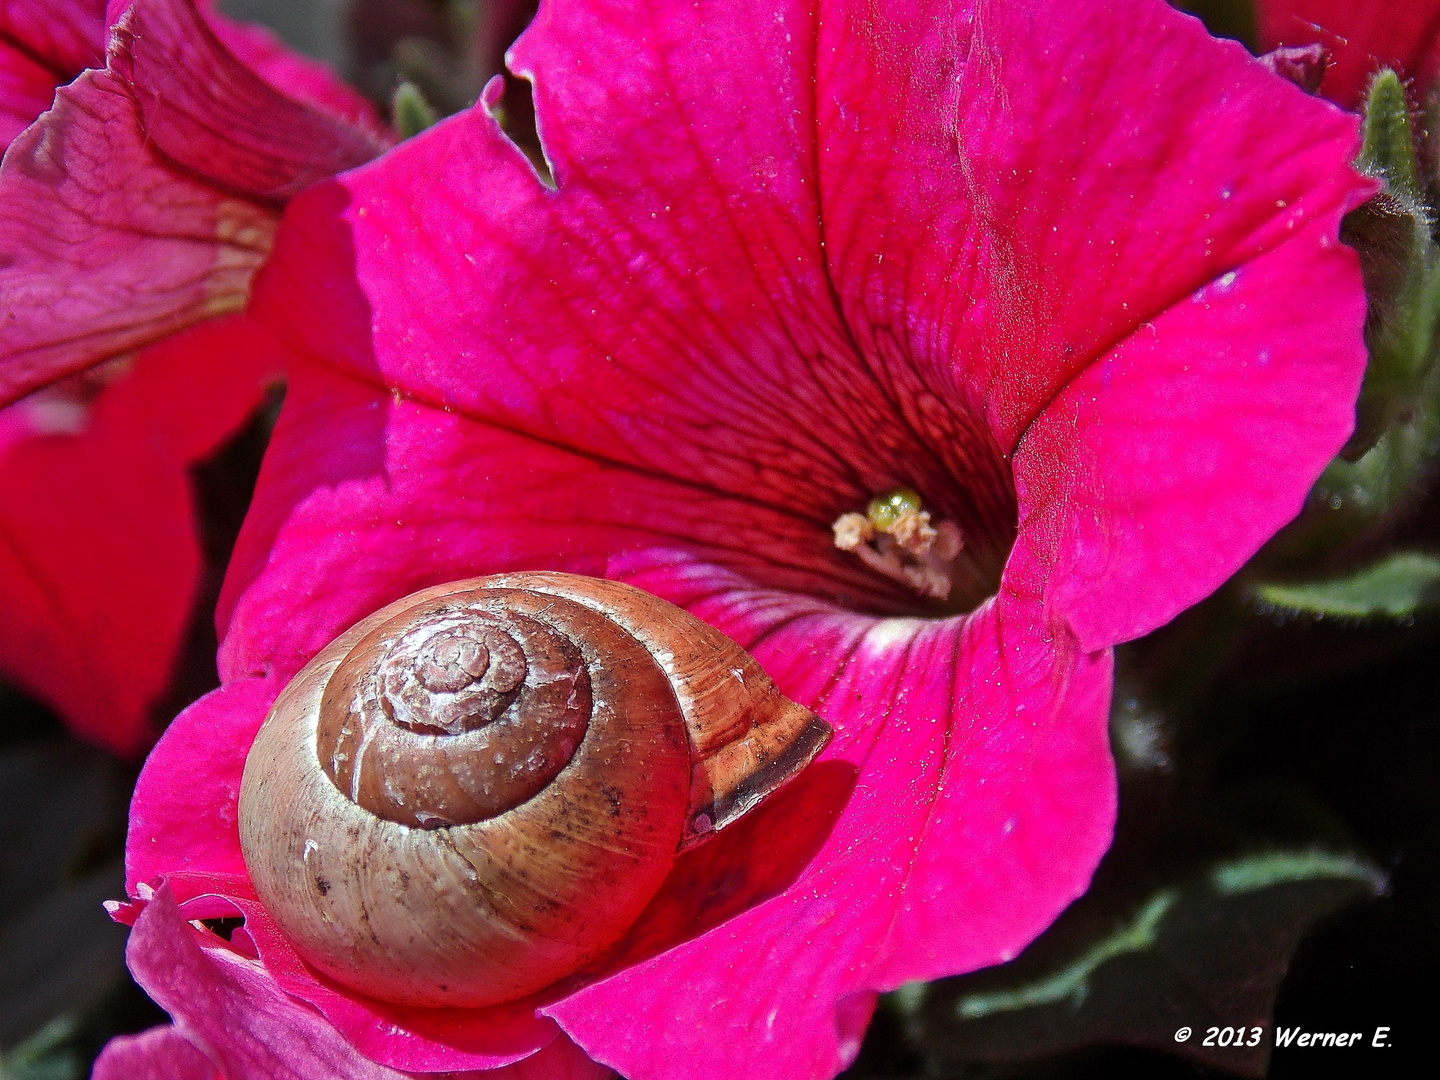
{"points": [[885, 510]]}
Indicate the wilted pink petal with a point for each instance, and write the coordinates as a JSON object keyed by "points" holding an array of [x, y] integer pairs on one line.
{"points": [[145, 200], [204, 110], [297, 76], [43, 43], [99, 558], [1362, 36], [1303, 65], [106, 247], [66, 35], [953, 246]]}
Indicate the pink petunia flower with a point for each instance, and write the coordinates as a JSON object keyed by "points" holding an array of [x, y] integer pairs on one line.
{"points": [[1361, 37], [122, 222], [1068, 271]]}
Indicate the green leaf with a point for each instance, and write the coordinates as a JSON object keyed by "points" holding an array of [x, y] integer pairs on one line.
{"points": [[410, 111], [1395, 587], [1208, 949], [1072, 982], [49, 1054], [62, 807], [1255, 872]]}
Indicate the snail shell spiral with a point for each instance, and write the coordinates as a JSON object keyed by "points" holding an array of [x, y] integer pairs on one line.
{"points": [[477, 790]]}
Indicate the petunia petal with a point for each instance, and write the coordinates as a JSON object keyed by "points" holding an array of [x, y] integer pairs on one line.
{"points": [[397, 495], [1179, 452], [163, 1053], [334, 544], [191, 828], [723, 291], [959, 348], [68, 636], [231, 1010], [1022, 243]]}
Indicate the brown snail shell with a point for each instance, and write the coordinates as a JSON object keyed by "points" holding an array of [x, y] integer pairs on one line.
{"points": [[477, 790]]}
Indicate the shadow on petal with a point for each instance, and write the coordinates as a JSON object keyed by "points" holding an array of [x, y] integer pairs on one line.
{"points": [[758, 857]]}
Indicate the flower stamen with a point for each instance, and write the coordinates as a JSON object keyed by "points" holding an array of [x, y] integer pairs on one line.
{"points": [[895, 537]]}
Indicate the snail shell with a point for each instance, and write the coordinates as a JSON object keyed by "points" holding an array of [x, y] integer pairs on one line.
{"points": [[477, 790]]}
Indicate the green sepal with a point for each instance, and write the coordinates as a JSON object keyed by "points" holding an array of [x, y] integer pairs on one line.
{"points": [[1402, 271], [1397, 431], [409, 111], [1388, 149], [1396, 587]]}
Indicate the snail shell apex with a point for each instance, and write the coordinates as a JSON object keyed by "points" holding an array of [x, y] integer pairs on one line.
{"points": [[477, 790]]}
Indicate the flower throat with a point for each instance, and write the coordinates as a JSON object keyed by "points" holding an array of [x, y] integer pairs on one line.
{"points": [[896, 537]]}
